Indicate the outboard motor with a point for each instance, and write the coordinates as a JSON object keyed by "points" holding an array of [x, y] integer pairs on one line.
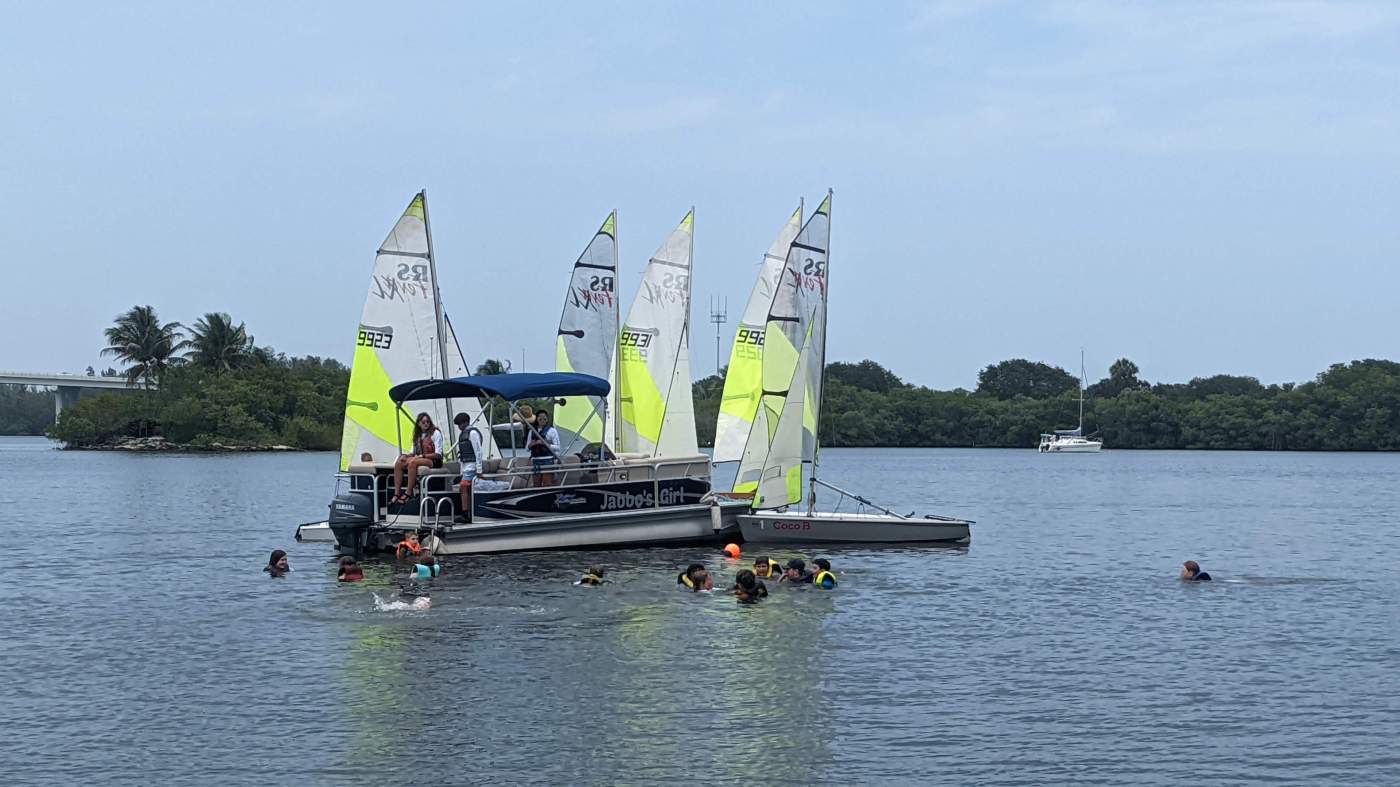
{"points": [[350, 517]]}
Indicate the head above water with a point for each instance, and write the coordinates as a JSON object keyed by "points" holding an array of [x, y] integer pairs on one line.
{"points": [[277, 561], [746, 579], [1190, 569], [796, 566], [596, 571], [822, 563]]}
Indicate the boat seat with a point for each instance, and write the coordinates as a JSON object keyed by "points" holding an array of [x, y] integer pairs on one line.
{"points": [[570, 463]]}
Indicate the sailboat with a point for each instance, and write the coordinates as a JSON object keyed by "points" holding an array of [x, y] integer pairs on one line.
{"points": [[587, 339], [403, 334], [784, 435], [656, 413], [1072, 441], [743, 379]]}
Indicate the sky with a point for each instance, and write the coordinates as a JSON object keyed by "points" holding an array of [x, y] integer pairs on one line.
{"points": [[1201, 187]]}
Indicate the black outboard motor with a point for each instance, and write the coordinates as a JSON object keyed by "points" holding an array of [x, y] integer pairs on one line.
{"points": [[351, 515]]}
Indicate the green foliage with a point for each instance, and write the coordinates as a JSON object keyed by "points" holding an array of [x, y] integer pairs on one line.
{"points": [[1019, 377], [866, 375], [24, 410], [217, 344], [140, 339], [298, 402], [1353, 406]]}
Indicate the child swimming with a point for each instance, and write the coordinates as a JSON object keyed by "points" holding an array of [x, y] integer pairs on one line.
{"points": [[427, 567]]}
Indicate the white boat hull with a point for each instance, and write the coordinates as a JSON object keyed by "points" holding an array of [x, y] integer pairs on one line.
{"points": [[317, 532], [1072, 447], [827, 527]]}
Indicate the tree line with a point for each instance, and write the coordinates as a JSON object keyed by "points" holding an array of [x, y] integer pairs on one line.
{"points": [[216, 385], [1351, 406]]}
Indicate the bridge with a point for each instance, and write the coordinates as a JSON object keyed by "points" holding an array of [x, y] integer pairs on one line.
{"points": [[66, 386]]}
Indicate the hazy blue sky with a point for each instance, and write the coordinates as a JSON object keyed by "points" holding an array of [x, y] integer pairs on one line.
{"points": [[1201, 187]]}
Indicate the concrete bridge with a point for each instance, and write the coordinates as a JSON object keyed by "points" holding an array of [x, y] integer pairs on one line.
{"points": [[66, 386]]}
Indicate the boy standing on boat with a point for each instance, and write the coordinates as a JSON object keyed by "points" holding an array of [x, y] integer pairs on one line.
{"points": [[469, 454]]}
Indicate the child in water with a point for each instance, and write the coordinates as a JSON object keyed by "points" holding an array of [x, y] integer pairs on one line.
{"points": [[767, 568], [350, 571], [748, 588], [427, 567], [594, 577], [277, 564], [823, 578], [695, 578]]}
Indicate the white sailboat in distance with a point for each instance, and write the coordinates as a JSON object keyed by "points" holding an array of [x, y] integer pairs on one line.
{"points": [[1072, 441]]}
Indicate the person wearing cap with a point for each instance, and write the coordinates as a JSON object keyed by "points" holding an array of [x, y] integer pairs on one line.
{"points": [[695, 578], [767, 568], [796, 573], [823, 578], [1191, 572], [594, 577], [747, 587]]}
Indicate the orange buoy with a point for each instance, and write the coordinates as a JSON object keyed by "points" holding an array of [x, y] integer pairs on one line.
{"points": [[731, 550]]}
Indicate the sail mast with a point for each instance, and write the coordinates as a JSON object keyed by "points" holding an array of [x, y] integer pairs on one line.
{"points": [[1081, 391], [617, 346], [437, 300], [817, 433]]}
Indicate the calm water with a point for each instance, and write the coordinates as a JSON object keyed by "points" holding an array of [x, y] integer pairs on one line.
{"points": [[143, 644]]}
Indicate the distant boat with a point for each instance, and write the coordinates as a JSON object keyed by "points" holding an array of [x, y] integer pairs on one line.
{"points": [[1072, 441]]}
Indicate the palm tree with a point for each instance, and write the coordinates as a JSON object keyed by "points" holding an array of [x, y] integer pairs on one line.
{"points": [[140, 339], [493, 366], [217, 344]]}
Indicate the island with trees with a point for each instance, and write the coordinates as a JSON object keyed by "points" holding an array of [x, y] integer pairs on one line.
{"points": [[213, 387]]}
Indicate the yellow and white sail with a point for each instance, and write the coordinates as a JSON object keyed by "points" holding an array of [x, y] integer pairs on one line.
{"points": [[402, 336], [794, 352], [588, 336], [743, 380], [657, 412]]}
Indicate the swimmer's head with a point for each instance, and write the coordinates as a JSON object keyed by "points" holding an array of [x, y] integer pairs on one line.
{"points": [[596, 571], [796, 567], [746, 579], [277, 561], [822, 563], [1190, 569], [427, 560]]}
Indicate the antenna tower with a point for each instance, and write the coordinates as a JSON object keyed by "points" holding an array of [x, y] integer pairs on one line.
{"points": [[719, 315]]}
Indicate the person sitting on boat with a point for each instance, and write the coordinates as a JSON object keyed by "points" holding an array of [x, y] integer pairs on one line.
{"points": [[594, 577], [409, 546], [767, 567], [695, 578], [796, 573], [748, 588], [1191, 572], [277, 564], [823, 578], [469, 454], [427, 452], [544, 449], [350, 571], [427, 567]]}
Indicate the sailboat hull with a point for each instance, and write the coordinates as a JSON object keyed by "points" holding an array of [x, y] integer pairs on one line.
{"points": [[822, 527]]}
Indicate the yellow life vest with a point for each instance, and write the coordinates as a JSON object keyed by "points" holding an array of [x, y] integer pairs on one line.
{"points": [[591, 579], [687, 581], [822, 576]]}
